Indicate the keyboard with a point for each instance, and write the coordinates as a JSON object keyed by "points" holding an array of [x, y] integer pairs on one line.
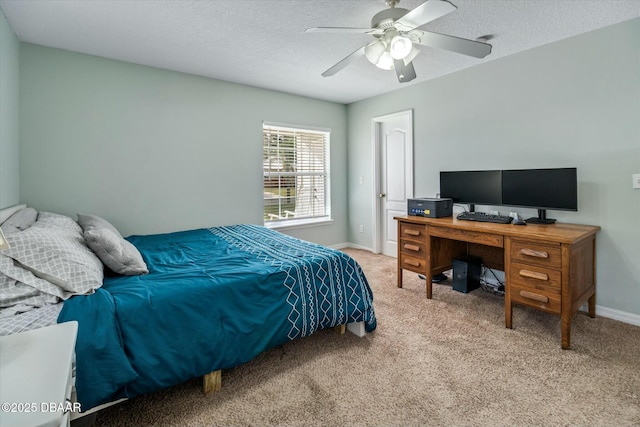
{"points": [[484, 217]]}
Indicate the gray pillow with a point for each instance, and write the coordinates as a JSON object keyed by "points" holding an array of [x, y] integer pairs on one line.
{"points": [[7, 212], [92, 222], [118, 254], [58, 256], [20, 221], [56, 221]]}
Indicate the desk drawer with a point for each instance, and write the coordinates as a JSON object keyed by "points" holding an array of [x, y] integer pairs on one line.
{"points": [[413, 248], [537, 278], [479, 237], [414, 264], [536, 253], [412, 232], [540, 299]]}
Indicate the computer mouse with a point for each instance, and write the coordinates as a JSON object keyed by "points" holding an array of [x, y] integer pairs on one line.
{"points": [[519, 222]]}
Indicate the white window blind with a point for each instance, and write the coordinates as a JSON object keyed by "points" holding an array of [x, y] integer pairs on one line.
{"points": [[296, 174]]}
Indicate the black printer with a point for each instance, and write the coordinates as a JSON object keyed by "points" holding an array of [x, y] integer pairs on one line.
{"points": [[430, 208]]}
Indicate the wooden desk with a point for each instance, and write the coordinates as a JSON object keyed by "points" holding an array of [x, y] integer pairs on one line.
{"points": [[547, 267]]}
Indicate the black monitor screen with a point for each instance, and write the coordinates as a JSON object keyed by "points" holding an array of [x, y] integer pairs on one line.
{"points": [[473, 187], [541, 188]]}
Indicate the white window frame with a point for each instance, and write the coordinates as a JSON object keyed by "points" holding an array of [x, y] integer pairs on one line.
{"points": [[293, 222]]}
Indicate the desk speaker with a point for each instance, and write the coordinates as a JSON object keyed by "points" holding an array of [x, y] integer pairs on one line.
{"points": [[466, 273]]}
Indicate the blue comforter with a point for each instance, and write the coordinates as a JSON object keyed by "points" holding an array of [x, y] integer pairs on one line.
{"points": [[213, 299]]}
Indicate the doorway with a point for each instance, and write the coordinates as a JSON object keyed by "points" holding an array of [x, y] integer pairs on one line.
{"points": [[392, 176]]}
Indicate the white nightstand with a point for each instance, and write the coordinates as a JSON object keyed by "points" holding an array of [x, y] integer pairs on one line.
{"points": [[36, 376]]}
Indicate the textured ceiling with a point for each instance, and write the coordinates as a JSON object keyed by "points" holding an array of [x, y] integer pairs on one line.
{"points": [[263, 42]]}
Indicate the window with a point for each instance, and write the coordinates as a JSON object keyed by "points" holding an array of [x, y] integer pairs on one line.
{"points": [[296, 175]]}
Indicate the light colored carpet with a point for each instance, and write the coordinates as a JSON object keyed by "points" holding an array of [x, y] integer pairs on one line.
{"points": [[448, 361]]}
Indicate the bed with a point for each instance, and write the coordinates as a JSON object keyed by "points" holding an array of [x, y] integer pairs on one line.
{"points": [[199, 301]]}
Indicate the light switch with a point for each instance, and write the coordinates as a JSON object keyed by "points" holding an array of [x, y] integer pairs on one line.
{"points": [[636, 180]]}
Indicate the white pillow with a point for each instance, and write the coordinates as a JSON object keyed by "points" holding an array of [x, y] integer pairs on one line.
{"points": [[19, 221], [56, 221], [7, 212], [58, 256]]}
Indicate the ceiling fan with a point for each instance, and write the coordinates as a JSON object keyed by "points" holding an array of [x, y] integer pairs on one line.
{"points": [[396, 33]]}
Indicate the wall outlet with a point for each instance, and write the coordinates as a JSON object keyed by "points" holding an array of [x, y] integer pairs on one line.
{"points": [[636, 180], [361, 228]]}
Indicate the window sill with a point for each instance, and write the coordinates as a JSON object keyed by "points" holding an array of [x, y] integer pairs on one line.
{"points": [[301, 223]]}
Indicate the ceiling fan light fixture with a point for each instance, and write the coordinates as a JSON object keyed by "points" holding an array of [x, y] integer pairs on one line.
{"points": [[400, 47], [386, 61], [374, 50], [378, 54]]}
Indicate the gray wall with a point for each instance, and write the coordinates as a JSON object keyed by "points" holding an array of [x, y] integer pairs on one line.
{"points": [[571, 103], [154, 150], [9, 98]]}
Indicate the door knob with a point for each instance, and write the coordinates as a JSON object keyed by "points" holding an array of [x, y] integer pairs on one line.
{"points": [[381, 195]]}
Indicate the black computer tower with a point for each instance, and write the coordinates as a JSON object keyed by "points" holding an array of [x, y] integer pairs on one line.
{"points": [[466, 273]]}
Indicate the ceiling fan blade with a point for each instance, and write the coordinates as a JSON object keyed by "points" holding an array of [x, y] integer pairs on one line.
{"points": [[344, 62], [342, 30], [455, 44], [405, 72], [426, 12]]}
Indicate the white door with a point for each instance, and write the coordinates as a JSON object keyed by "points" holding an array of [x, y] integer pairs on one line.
{"points": [[394, 164]]}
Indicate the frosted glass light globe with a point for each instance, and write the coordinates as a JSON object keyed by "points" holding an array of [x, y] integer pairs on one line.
{"points": [[385, 62], [374, 50], [400, 47]]}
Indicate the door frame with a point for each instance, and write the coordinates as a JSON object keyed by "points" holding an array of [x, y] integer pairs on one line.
{"points": [[377, 154]]}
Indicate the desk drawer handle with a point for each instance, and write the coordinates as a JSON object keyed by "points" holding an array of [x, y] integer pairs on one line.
{"points": [[534, 275], [410, 247], [536, 297], [412, 232], [411, 262], [533, 253]]}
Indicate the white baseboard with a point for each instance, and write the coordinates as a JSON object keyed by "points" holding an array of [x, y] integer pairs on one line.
{"points": [[350, 245], [622, 316], [340, 246]]}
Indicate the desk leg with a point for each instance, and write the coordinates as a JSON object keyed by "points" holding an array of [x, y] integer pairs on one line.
{"points": [[399, 257], [508, 307], [592, 306], [566, 331], [428, 274]]}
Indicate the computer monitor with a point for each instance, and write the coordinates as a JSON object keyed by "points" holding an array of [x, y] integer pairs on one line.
{"points": [[542, 189], [472, 187]]}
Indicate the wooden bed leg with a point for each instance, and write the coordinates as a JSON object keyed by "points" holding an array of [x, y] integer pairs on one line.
{"points": [[340, 329], [212, 382]]}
